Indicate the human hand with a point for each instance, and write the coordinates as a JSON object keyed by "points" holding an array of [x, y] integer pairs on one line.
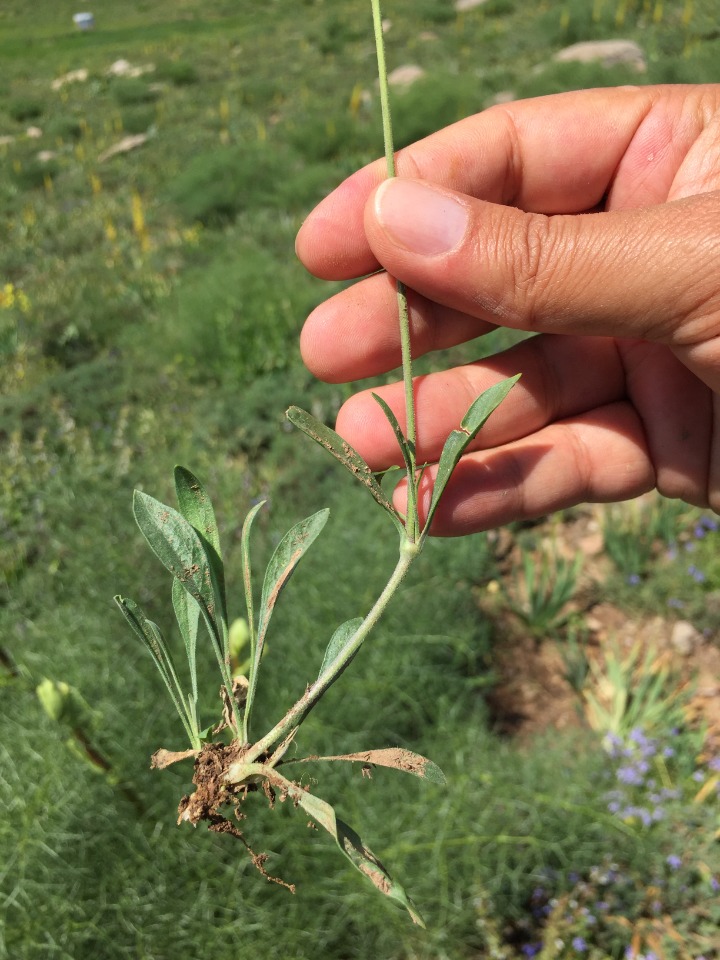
{"points": [[591, 218]]}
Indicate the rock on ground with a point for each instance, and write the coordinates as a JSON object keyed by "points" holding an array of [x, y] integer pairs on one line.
{"points": [[685, 638], [462, 5], [73, 76], [610, 53], [124, 146], [405, 76]]}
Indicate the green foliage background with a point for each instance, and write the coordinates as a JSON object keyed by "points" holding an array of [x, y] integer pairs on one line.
{"points": [[164, 308]]}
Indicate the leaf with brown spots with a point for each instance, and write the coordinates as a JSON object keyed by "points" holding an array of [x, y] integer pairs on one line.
{"points": [[395, 757], [361, 857], [178, 546], [196, 507], [331, 441]]}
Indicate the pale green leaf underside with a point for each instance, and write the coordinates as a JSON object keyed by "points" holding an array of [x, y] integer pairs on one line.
{"points": [[287, 555]]}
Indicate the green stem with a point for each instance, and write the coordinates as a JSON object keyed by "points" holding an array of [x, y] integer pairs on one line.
{"points": [[297, 713], [412, 524]]}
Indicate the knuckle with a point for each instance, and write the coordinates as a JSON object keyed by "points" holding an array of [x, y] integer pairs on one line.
{"points": [[532, 265], [531, 254], [580, 461]]}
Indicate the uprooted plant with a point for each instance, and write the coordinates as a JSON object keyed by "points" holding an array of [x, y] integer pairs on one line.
{"points": [[230, 765]]}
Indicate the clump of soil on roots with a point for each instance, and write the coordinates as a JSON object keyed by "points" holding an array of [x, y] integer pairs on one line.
{"points": [[212, 792]]}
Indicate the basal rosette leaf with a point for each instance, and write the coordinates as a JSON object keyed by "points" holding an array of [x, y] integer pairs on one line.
{"points": [[196, 507], [181, 550], [396, 758], [177, 545], [359, 855], [349, 842], [187, 614], [283, 562], [152, 639]]}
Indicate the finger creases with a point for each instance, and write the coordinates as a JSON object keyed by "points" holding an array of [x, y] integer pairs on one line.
{"points": [[356, 333], [553, 154], [561, 377], [597, 457], [638, 273]]}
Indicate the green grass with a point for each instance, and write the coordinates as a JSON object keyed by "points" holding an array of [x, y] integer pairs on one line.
{"points": [[173, 340]]}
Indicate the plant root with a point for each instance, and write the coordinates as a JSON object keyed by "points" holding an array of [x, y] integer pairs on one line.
{"points": [[212, 792]]}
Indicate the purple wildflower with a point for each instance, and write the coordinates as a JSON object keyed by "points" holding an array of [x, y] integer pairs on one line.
{"points": [[673, 861], [579, 944], [630, 775]]}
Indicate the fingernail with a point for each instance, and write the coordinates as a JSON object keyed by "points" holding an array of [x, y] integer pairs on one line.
{"points": [[420, 218]]}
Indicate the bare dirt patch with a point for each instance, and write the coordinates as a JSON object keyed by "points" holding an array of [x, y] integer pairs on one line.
{"points": [[532, 693]]}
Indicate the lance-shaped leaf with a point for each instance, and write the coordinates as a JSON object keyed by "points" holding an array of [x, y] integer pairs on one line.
{"points": [[394, 757], [344, 454], [361, 857], [248, 588], [152, 639], [177, 545], [196, 506], [458, 441], [283, 562], [187, 614], [407, 453], [338, 640]]}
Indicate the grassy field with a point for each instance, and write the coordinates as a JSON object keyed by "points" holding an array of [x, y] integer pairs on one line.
{"points": [[150, 304]]}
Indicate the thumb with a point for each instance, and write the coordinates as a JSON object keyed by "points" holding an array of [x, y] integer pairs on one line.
{"points": [[647, 273]]}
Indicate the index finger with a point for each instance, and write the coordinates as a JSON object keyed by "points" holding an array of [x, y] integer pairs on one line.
{"points": [[553, 154]]}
